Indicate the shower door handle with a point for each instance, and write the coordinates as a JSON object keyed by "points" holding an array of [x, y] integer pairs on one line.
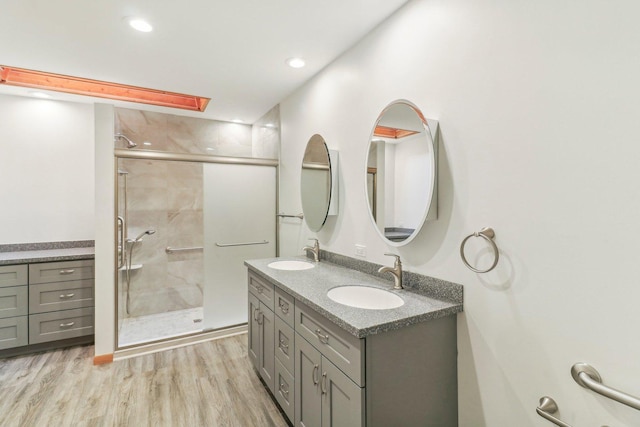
{"points": [[121, 243]]}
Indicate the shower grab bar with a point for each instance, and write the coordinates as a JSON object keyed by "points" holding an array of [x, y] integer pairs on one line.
{"points": [[171, 250], [121, 254], [226, 245], [299, 216], [587, 376], [546, 408]]}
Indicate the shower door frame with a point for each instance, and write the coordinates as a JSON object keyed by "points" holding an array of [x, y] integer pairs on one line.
{"points": [[140, 154]]}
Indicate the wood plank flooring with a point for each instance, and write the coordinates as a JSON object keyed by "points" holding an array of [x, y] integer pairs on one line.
{"points": [[207, 384]]}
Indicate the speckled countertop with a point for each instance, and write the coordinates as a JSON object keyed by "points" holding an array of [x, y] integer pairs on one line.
{"points": [[311, 286], [46, 255]]}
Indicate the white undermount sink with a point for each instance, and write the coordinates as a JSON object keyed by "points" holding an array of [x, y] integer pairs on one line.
{"points": [[291, 265], [365, 297]]}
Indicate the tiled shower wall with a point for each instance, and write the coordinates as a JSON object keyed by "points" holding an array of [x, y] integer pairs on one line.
{"points": [[167, 196]]}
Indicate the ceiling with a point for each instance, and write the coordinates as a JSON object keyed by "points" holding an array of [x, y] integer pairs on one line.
{"points": [[232, 51]]}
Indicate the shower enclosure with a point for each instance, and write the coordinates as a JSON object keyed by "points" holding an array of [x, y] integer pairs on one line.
{"points": [[186, 223]]}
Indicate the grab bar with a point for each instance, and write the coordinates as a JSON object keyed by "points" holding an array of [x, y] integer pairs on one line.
{"points": [[226, 245], [587, 376], [547, 407], [299, 216], [171, 250]]}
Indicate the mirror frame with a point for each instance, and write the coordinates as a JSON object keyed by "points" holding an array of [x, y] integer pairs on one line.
{"points": [[331, 183], [431, 128]]}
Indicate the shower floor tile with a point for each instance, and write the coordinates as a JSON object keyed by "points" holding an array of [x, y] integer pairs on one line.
{"points": [[138, 330]]}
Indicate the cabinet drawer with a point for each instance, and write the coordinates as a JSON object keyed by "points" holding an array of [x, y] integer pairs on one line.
{"points": [[45, 297], [262, 289], [284, 344], [284, 391], [14, 332], [13, 301], [60, 325], [284, 306], [13, 275], [60, 271], [336, 344]]}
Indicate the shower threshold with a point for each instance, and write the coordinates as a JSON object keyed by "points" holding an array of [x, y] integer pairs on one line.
{"points": [[153, 327]]}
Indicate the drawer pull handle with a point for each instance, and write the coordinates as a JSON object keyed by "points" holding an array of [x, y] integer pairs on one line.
{"points": [[67, 271], [67, 325], [67, 296], [284, 346], [260, 289], [323, 338], [314, 375], [284, 391], [323, 386], [284, 307]]}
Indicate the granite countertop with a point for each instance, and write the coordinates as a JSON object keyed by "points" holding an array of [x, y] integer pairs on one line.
{"points": [[311, 286], [46, 255]]}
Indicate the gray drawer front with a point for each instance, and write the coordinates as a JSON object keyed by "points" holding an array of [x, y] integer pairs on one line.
{"points": [[284, 344], [14, 332], [64, 271], [262, 289], [56, 296], [13, 275], [13, 301], [60, 325], [336, 344], [284, 391], [284, 306]]}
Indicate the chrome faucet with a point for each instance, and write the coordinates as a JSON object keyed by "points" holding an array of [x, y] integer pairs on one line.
{"points": [[315, 250], [396, 271]]}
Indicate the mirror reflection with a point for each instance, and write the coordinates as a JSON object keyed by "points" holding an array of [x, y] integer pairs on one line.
{"points": [[315, 183], [401, 173]]}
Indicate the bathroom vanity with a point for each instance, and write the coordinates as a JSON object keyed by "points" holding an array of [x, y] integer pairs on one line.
{"points": [[329, 364], [46, 299]]}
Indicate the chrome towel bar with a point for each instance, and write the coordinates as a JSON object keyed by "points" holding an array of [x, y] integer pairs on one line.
{"points": [[487, 234], [299, 216], [171, 250], [587, 376], [226, 245], [546, 408]]}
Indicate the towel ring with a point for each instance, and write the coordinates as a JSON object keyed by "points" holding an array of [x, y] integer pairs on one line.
{"points": [[487, 234]]}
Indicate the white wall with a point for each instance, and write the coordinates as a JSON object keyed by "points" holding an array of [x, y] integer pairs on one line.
{"points": [[46, 170], [538, 104]]}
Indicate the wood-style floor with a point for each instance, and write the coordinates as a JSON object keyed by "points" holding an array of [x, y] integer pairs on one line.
{"points": [[208, 384]]}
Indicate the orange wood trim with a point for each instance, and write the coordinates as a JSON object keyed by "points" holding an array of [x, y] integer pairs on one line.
{"points": [[103, 359], [395, 133], [81, 86]]}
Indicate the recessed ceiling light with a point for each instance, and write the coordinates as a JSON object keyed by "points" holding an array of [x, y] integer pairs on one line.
{"points": [[270, 125], [140, 25], [237, 121], [40, 95], [295, 62]]}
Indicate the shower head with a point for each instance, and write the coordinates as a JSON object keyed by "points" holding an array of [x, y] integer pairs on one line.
{"points": [[141, 235], [130, 143]]}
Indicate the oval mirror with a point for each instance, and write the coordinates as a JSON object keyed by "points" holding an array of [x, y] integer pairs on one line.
{"points": [[315, 183], [401, 172]]}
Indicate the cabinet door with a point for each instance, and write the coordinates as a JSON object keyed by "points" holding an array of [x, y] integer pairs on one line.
{"points": [[341, 398], [254, 331], [308, 411], [267, 355]]}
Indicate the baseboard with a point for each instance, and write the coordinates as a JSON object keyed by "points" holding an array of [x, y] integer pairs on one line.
{"points": [[103, 359]]}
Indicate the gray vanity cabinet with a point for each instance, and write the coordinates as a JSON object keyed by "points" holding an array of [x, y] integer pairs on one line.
{"points": [[325, 396], [261, 339]]}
